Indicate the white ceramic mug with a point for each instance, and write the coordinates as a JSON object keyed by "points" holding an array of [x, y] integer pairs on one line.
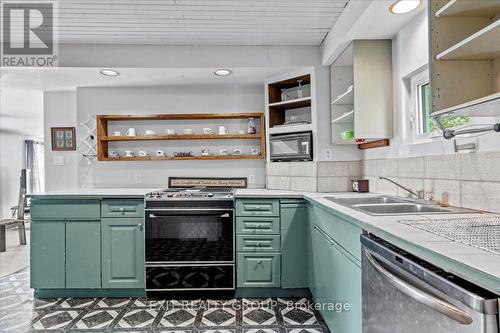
{"points": [[160, 153], [188, 131], [222, 130], [170, 131], [117, 133], [129, 153], [205, 152], [143, 153], [208, 130], [255, 151], [223, 152], [113, 153], [149, 132], [130, 132]]}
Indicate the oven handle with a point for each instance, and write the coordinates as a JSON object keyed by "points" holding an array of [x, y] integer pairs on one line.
{"points": [[420, 296], [225, 212]]}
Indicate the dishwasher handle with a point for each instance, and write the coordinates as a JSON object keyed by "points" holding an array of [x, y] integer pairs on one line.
{"points": [[431, 301]]}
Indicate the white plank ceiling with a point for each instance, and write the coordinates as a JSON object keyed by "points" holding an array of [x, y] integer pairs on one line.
{"points": [[198, 22]]}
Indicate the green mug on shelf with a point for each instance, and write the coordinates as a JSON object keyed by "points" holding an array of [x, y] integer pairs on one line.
{"points": [[346, 135]]}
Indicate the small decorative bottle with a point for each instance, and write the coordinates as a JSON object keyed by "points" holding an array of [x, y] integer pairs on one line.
{"points": [[251, 126], [283, 95], [300, 90]]}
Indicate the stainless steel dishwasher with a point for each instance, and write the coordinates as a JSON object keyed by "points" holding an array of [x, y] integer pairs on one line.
{"points": [[404, 294]]}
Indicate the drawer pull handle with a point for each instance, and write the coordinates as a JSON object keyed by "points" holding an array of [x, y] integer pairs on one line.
{"points": [[259, 262], [122, 209], [258, 244]]}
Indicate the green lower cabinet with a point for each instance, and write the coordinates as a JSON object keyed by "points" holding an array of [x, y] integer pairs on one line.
{"points": [[47, 251], [83, 254], [122, 253], [346, 286], [294, 252], [259, 270]]}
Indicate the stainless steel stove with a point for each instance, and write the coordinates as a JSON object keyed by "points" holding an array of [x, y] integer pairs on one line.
{"points": [[189, 236]]}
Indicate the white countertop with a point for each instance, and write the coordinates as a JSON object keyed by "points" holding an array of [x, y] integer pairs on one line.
{"points": [[431, 247], [476, 265]]}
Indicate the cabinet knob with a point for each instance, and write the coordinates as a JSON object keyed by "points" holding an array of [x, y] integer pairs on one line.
{"points": [[139, 226], [258, 244], [259, 262], [122, 209]]}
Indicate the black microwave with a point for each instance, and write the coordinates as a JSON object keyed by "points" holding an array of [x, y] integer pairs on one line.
{"points": [[291, 147]]}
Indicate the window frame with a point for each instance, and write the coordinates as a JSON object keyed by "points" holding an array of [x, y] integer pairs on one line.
{"points": [[416, 81]]}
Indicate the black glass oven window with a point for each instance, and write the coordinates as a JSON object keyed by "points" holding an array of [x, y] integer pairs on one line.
{"points": [[190, 238], [190, 277]]}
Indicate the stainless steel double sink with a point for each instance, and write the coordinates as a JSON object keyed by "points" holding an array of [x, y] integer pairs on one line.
{"points": [[387, 205]]}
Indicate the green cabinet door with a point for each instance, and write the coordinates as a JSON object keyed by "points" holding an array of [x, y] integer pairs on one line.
{"points": [[311, 276], [122, 253], [346, 290], [258, 270], [47, 254], [83, 254], [294, 250]]}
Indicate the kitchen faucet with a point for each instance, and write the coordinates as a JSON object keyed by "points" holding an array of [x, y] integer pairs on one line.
{"points": [[417, 196]]}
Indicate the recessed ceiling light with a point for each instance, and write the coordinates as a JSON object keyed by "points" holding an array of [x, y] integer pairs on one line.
{"points": [[109, 72], [222, 72], [404, 6]]}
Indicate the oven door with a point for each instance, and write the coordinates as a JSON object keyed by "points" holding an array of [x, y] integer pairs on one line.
{"points": [[291, 147], [189, 235], [189, 249]]}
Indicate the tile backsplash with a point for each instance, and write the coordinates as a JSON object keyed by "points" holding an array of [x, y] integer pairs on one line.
{"points": [[312, 176], [470, 180]]}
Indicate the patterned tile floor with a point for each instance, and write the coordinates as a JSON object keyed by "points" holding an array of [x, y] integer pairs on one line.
{"points": [[21, 312]]}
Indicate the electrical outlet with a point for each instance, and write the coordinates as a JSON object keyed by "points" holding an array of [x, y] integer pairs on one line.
{"points": [[328, 154], [138, 178], [58, 160], [251, 179]]}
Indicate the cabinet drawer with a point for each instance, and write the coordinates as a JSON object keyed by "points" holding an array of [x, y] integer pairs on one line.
{"points": [[258, 243], [258, 225], [122, 208], [65, 209], [259, 270], [257, 207]]}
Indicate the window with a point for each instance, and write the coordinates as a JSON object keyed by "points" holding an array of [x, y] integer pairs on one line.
{"points": [[424, 126]]}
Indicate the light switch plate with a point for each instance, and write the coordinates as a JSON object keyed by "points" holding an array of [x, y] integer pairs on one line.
{"points": [[58, 160], [328, 154]]}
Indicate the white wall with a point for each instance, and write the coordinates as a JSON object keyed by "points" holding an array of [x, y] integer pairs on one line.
{"points": [[21, 117], [410, 53], [153, 100], [60, 111]]}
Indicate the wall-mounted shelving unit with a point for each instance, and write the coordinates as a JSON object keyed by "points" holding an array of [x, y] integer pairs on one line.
{"points": [[361, 92], [103, 137], [465, 57]]}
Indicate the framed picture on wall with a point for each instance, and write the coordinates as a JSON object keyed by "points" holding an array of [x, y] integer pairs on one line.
{"points": [[63, 138]]}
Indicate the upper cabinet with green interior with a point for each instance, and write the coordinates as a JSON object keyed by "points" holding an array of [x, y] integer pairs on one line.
{"points": [[361, 93], [465, 57]]}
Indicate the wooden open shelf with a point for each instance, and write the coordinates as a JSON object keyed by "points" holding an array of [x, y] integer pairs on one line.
{"points": [[103, 138], [181, 137], [171, 158]]}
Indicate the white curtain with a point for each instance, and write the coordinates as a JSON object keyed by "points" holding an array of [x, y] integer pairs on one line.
{"points": [[34, 163]]}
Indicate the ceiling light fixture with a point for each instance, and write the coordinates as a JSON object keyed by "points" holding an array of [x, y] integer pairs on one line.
{"points": [[222, 72], [109, 72], [404, 6]]}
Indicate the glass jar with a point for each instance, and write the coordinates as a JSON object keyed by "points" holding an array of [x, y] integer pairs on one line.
{"points": [[252, 129]]}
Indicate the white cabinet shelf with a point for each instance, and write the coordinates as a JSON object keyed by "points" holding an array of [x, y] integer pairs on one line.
{"points": [[347, 117], [293, 102], [346, 98], [487, 106], [475, 8], [483, 45], [465, 57], [361, 89], [290, 129]]}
